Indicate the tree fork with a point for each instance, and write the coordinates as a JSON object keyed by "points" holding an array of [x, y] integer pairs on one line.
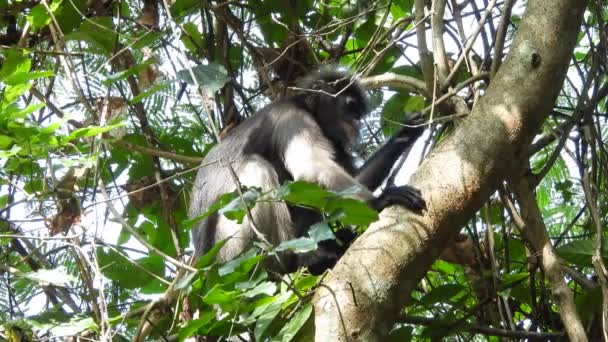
{"points": [[361, 297]]}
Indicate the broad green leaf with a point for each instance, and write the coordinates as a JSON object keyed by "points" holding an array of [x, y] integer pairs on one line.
{"points": [[266, 288], [191, 327], [121, 75], [13, 113], [148, 39], [9, 153], [289, 330], [218, 295], [116, 267], [18, 78], [181, 8], [144, 95], [224, 200], [580, 252], [69, 15], [400, 334], [442, 294], [91, 131], [299, 245], [208, 257], [14, 62], [211, 77], [269, 313], [3, 200], [303, 193], [415, 104], [355, 212], [242, 263], [60, 324], [12, 93], [98, 32], [193, 40], [320, 232], [39, 16], [401, 8], [235, 210], [393, 112], [5, 141]]}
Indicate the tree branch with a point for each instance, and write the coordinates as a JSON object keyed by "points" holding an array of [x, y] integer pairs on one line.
{"points": [[362, 296]]}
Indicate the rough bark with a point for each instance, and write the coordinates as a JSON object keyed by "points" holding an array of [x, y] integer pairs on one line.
{"points": [[361, 297]]}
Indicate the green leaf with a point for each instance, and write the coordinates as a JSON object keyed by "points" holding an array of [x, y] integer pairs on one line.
{"points": [[39, 16], [306, 282], [5, 141], [580, 252], [442, 294], [208, 257], [116, 267], [224, 200], [60, 324], [3, 200], [13, 62], [23, 77], [304, 193], [415, 104], [320, 232], [393, 111], [266, 288], [354, 211], [150, 92], [402, 333], [193, 40], [98, 32], [69, 16], [212, 77], [235, 210], [149, 38], [218, 295], [121, 75], [9, 153], [242, 263], [365, 31], [192, 327], [182, 8], [12, 93], [401, 8], [90, 131], [268, 315], [299, 245], [289, 330], [13, 112]]}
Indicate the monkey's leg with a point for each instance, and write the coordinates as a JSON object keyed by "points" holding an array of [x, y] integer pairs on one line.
{"points": [[272, 219]]}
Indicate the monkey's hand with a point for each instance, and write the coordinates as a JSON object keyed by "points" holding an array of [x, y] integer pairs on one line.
{"points": [[405, 195], [413, 127]]}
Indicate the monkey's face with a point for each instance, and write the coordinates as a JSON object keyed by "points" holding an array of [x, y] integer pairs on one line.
{"points": [[353, 104]]}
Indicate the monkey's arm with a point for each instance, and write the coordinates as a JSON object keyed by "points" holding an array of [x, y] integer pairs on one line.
{"points": [[308, 155], [377, 167], [309, 158]]}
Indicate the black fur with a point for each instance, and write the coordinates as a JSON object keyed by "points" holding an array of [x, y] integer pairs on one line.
{"points": [[325, 116]]}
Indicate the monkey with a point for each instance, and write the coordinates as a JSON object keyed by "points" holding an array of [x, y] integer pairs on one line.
{"points": [[308, 137]]}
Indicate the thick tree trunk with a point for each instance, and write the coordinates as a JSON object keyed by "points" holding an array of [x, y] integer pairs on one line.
{"points": [[361, 297]]}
